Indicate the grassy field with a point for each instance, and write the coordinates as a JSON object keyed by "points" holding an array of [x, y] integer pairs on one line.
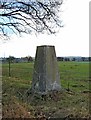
{"points": [[72, 101]]}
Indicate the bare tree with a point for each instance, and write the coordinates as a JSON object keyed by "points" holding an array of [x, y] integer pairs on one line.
{"points": [[24, 17]]}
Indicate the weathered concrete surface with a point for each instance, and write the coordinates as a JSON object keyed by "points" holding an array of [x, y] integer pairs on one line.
{"points": [[46, 75]]}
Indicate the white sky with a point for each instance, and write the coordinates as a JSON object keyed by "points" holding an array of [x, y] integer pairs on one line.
{"points": [[72, 40]]}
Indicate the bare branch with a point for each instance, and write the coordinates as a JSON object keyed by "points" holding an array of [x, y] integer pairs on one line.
{"points": [[20, 17]]}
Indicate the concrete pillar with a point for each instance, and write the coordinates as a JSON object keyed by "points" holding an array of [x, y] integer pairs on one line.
{"points": [[46, 76]]}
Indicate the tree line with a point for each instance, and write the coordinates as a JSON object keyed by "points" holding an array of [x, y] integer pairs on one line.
{"points": [[13, 59], [74, 58]]}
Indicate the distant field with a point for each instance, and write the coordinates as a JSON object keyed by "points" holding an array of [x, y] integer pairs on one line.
{"points": [[72, 101]]}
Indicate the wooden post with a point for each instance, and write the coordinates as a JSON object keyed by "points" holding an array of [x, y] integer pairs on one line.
{"points": [[9, 66]]}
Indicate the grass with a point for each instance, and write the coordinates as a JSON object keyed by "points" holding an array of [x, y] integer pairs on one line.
{"points": [[72, 101], [76, 74]]}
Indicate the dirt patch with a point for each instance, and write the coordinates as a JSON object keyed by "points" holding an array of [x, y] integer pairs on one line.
{"points": [[13, 109]]}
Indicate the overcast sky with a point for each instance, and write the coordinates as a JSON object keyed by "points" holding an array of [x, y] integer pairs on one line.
{"points": [[71, 40]]}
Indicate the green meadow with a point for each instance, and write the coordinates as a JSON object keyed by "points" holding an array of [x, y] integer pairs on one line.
{"points": [[71, 101]]}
